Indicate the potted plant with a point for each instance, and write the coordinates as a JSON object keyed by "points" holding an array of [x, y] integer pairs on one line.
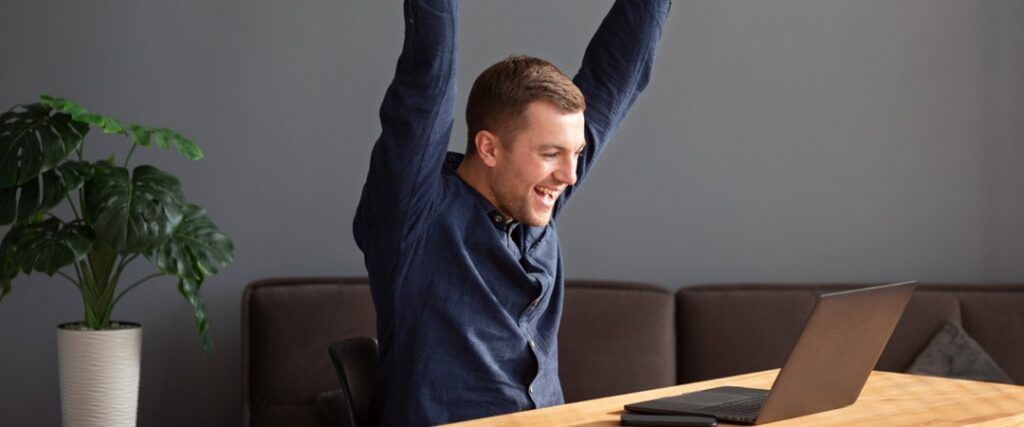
{"points": [[117, 215]]}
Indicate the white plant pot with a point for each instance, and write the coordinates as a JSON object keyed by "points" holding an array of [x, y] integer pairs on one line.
{"points": [[99, 375]]}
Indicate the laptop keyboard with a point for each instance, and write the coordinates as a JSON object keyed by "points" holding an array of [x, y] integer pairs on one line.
{"points": [[740, 409]]}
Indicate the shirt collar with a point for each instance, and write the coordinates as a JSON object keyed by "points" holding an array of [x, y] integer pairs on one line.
{"points": [[451, 164]]}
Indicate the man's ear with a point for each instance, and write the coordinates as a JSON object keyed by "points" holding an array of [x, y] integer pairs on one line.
{"points": [[487, 147]]}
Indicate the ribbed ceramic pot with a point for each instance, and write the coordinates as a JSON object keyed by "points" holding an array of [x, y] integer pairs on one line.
{"points": [[99, 374]]}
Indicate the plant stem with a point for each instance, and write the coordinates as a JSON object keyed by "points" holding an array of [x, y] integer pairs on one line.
{"points": [[107, 290], [133, 285], [87, 271], [108, 295], [70, 279], [124, 262], [78, 273], [92, 321], [72, 204], [130, 152], [81, 197]]}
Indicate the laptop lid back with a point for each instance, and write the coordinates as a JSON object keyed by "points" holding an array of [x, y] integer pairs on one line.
{"points": [[840, 345]]}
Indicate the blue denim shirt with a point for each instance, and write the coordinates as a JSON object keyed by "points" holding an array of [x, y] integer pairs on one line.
{"points": [[468, 305]]}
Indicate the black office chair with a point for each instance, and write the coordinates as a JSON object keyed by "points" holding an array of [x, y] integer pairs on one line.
{"points": [[355, 359]]}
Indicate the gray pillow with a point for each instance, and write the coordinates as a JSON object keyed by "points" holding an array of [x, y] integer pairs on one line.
{"points": [[954, 354]]}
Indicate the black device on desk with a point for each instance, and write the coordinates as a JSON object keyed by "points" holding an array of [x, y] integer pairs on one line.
{"points": [[667, 420], [827, 368]]}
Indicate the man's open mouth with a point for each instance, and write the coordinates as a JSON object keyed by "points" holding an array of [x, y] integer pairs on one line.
{"points": [[546, 195]]}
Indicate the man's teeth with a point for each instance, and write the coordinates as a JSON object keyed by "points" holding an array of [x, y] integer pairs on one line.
{"points": [[548, 194]]}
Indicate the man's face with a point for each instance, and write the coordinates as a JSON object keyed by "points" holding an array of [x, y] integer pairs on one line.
{"points": [[533, 170]]}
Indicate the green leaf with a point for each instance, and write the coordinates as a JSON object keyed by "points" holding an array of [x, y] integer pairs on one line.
{"points": [[139, 134], [185, 146], [190, 290], [8, 268], [46, 246], [5, 286], [196, 249], [80, 114], [33, 141], [132, 214], [42, 193], [164, 138]]}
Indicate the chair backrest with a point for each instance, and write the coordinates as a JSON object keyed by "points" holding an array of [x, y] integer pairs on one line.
{"points": [[355, 360]]}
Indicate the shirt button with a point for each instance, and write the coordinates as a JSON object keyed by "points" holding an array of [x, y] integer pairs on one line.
{"points": [[535, 302], [533, 345], [530, 390]]}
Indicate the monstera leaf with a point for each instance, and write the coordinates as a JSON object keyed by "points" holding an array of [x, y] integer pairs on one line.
{"points": [[33, 141], [196, 249], [141, 135], [190, 290], [8, 269], [164, 138], [132, 213], [45, 247], [41, 193]]}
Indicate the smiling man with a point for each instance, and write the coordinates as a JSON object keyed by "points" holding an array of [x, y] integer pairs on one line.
{"points": [[526, 132], [462, 251]]}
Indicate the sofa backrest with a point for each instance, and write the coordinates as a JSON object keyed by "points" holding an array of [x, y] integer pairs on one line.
{"points": [[287, 326], [728, 329], [614, 338]]}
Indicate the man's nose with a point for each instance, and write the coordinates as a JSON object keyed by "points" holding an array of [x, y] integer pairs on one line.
{"points": [[567, 171]]}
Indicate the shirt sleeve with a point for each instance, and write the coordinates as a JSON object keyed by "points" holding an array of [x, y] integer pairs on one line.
{"points": [[616, 68], [416, 121]]}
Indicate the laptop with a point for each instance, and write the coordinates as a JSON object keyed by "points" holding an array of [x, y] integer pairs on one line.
{"points": [[827, 368]]}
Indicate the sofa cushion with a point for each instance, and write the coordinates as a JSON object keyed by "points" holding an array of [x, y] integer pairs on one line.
{"points": [[994, 316], [288, 324], [720, 326], [952, 353], [615, 338]]}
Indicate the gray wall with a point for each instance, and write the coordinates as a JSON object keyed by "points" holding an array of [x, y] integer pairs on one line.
{"points": [[781, 140]]}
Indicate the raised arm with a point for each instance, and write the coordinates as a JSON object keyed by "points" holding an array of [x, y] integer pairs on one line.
{"points": [[416, 118], [616, 68]]}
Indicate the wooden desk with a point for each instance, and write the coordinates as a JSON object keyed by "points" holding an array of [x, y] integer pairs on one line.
{"points": [[888, 399]]}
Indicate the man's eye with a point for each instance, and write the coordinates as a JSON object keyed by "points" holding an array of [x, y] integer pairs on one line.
{"points": [[550, 155]]}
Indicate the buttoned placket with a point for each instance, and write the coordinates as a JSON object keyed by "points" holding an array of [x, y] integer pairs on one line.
{"points": [[508, 227], [532, 346], [533, 349]]}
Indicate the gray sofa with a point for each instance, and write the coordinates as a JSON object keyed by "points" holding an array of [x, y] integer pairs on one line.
{"points": [[615, 337]]}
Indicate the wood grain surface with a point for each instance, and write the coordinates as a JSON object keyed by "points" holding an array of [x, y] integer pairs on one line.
{"points": [[888, 399]]}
